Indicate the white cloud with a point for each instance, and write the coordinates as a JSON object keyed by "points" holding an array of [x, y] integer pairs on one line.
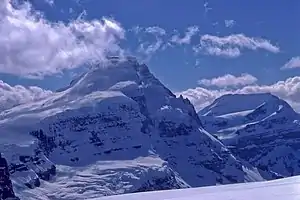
{"points": [[155, 30], [230, 52], [191, 31], [15, 95], [242, 41], [288, 90], [229, 80], [149, 49], [201, 97], [32, 46], [229, 23], [232, 45], [148, 46], [292, 63], [136, 29]]}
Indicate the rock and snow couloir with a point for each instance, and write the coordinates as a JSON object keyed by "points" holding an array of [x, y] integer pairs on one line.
{"points": [[260, 128], [115, 129]]}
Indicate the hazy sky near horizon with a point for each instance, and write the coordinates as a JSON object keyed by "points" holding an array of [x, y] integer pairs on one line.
{"points": [[202, 49]]}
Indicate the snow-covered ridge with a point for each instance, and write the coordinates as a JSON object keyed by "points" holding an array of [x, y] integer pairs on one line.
{"points": [[112, 114]]}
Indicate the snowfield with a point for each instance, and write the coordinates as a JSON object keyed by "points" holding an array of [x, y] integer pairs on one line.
{"points": [[282, 189]]}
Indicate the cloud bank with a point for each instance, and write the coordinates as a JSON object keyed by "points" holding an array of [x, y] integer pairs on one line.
{"points": [[15, 95], [34, 47], [229, 80], [288, 90], [231, 46]]}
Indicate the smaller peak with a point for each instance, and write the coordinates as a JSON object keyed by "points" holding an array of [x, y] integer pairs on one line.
{"points": [[254, 98], [263, 95], [231, 103]]}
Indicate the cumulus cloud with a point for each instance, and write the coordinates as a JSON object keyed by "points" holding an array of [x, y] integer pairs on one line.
{"points": [[201, 97], [232, 45], [191, 31], [292, 63], [11, 96], [288, 90], [34, 47], [229, 23], [229, 80]]}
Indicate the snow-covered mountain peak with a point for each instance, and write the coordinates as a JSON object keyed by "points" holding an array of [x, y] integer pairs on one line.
{"points": [[260, 128], [116, 73], [233, 103]]}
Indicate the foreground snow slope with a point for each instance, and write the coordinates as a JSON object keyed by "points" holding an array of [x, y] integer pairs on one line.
{"points": [[281, 189]]}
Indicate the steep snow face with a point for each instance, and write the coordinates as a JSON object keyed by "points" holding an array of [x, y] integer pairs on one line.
{"points": [[266, 135], [116, 113]]}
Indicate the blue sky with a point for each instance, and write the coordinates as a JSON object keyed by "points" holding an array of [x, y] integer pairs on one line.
{"points": [[236, 46]]}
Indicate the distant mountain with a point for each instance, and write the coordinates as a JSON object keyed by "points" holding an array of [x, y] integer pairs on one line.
{"points": [[115, 129], [260, 128]]}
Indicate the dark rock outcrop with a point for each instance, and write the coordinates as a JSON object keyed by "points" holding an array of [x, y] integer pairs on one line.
{"points": [[6, 188]]}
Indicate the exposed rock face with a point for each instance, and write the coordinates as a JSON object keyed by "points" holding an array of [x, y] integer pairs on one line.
{"points": [[260, 128], [6, 188]]}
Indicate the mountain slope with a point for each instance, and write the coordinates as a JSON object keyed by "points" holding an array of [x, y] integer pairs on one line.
{"points": [[120, 112], [260, 128]]}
